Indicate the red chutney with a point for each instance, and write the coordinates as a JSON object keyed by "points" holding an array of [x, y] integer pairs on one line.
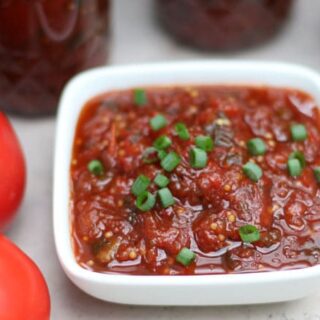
{"points": [[212, 203]]}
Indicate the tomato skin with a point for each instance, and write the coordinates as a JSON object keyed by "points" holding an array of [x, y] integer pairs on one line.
{"points": [[12, 172], [23, 290]]}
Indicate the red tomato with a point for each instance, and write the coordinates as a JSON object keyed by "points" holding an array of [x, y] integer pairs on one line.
{"points": [[23, 290], [12, 172]]}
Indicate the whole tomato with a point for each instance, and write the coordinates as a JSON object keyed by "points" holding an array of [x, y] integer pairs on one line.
{"points": [[12, 172], [24, 294]]}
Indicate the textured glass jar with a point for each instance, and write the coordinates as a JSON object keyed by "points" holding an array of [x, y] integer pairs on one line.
{"points": [[42, 44], [222, 24]]}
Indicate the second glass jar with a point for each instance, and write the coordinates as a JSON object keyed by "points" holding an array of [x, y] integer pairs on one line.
{"points": [[222, 24]]}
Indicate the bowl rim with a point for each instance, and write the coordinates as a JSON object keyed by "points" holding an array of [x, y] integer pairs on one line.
{"points": [[67, 112]]}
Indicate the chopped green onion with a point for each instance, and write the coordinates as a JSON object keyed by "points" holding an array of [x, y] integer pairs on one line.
{"points": [[298, 132], [162, 142], [252, 171], [140, 185], [158, 122], [140, 97], [170, 161], [185, 257], [96, 167], [299, 156], [249, 233], [145, 201], [162, 154], [150, 155], [161, 181], [204, 142], [198, 158], [316, 172], [294, 167], [166, 197], [182, 131], [256, 147]]}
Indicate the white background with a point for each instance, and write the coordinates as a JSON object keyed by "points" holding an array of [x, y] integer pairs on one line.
{"points": [[136, 38]]}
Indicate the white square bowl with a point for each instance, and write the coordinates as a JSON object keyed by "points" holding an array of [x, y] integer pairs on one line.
{"points": [[197, 290]]}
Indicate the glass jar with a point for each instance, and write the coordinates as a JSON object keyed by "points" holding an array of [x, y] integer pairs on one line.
{"points": [[42, 44], [222, 24]]}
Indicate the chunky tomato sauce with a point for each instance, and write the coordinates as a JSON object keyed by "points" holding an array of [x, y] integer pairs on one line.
{"points": [[211, 204]]}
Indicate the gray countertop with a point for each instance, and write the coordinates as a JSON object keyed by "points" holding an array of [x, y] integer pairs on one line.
{"points": [[137, 39]]}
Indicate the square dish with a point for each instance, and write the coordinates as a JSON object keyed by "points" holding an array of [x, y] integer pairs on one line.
{"points": [[171, 290]]}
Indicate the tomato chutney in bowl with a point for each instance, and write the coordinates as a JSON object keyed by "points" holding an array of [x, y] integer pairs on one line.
{"points": [[210, 184], [197, 180]]}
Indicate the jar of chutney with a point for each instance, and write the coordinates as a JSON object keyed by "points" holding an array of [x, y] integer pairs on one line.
{"points": [[222, 24], [42, 44]]}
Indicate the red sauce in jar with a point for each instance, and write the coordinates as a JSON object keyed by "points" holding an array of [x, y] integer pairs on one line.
{"points": [[43, 44], [222, 24], [211, 203]]}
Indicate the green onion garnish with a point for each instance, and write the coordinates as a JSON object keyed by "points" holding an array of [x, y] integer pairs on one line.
{"points": [[158, 122], [170, 161], [249, 233], [161, 181], [204, 142], [145, 201], [182, 131], [96, 167], [140, 97], [162, 142], [162, 154], [298, 132], [299, 156], [316, 172], [294, 167], [256, 147], [150, 155], [252, 171], [198, 158], [140, 185], [185, 257], [166, 197]]}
